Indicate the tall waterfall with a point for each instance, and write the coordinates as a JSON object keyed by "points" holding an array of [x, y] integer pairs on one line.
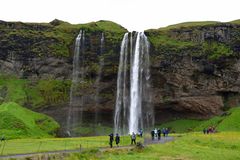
{"points": [[120, 118], [98, 79], [132, 109], [77, 78]]}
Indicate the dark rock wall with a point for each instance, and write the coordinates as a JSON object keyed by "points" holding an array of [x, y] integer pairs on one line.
{"points": [[191, 77]]}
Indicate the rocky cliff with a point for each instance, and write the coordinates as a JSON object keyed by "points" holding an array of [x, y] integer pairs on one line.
{"points": [[195, 67]]}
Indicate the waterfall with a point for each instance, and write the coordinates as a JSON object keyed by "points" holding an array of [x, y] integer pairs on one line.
{"points": [[98, 79], [77, 78], [135, 95], [132, 109], [121, 97]]}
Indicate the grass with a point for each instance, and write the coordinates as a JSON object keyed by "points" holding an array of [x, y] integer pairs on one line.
{"points": [[186, 38], [189, 24], [228, 122], [18, 146], [34, 94], [92, 129], [193, 146], [181, 126], [19, 122], [44, 38], [236, 21]]}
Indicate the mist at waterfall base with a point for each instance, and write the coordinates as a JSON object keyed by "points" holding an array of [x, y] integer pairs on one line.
{"points": [[133, 111]]}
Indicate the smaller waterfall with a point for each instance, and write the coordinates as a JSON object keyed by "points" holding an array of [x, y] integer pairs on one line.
{"points": [[98, 79], [76, 101]]}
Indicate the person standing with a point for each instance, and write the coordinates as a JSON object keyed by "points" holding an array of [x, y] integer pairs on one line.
{"points": [[152, 134], [111, 139], [117, 139], [141, 132], [159, 134], [204, 131], [164, 132], [155, 132], [133, 138]]}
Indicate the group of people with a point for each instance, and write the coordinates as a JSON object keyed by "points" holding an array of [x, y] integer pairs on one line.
{"points": [[208, 130], [111, 139], [117, 138], [157, 133]]}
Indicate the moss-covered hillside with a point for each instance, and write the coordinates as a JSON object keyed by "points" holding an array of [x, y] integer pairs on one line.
{"points": [[37, 59], [42, 39], [19, 122], [209, 39]]}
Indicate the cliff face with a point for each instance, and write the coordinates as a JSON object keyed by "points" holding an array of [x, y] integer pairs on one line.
{"points": [[36, 65], [195, 67]]}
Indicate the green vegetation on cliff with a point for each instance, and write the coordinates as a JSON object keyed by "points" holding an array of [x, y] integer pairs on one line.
{"points": [[34, 94], [189, 24], [19, 122], [209, 39], [54, 38]]}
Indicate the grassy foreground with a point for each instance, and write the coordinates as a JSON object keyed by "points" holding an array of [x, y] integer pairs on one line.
{"points": [[192, 146], [18, 146]]}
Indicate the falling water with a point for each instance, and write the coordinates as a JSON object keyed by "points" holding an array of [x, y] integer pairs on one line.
{"points": [[99, 76], [119, 117], [135, 103], [137, 114], [77, 78]]}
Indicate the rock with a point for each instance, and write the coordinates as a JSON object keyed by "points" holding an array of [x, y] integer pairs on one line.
{"points": [[210, 105]]}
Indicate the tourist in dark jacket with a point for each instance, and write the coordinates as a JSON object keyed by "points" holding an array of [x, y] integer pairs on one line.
{"points": [[164, 132], [152, 134], [111, 139], [117, 139], [159, 134]]}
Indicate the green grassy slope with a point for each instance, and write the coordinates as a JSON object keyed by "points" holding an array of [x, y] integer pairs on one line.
{"points": [[228, 122], [19, 122], [190, 24], [181, 126]]}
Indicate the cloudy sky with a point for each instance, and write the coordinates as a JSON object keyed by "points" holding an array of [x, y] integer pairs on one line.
{"points": [[132, 14]]}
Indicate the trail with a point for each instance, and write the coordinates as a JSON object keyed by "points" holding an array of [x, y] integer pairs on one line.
{"points": [[147, 141]]}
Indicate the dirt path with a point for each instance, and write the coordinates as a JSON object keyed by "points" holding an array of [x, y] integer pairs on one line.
{"points": [[146, 142]]}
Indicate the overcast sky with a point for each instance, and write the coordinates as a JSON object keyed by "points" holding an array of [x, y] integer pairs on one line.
{"points": [[131, 14]]}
